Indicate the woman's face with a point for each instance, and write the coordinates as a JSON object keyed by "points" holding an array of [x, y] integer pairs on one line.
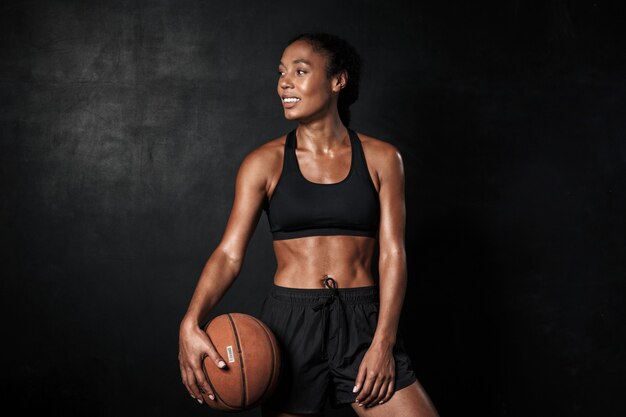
{"points": [[304, 90]]}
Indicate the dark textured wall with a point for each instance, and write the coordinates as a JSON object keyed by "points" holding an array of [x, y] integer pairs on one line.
{"points": [[123, 124]]}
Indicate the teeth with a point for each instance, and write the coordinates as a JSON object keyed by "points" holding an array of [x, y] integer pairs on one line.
{"points": [[291, 99]]}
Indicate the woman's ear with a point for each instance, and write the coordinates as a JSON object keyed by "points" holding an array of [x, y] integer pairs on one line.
{"points": [[340, 81]]}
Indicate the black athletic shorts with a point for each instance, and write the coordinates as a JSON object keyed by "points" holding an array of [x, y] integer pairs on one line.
{"points": [[323, 334]]}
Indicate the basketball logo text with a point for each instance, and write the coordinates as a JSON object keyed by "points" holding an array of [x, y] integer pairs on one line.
{"points": [[229, 352]]}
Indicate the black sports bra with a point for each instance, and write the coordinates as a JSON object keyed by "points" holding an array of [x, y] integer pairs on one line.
{"points": [[299, 207]]}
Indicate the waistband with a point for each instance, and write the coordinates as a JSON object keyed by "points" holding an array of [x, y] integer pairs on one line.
{"points": [[354, 295]]}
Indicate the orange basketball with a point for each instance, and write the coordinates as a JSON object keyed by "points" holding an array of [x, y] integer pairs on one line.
{"points": [[252, 358]]}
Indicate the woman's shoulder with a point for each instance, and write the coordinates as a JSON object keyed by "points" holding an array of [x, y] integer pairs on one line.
{"points": [[266, 155], [269, 149], [377, 149], [382, 157]]}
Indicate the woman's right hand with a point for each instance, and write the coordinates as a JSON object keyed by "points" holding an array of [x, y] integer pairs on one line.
{"points": [[193, 346]]}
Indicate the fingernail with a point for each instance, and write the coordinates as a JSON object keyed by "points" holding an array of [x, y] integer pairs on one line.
{"points": [[355, 389], [381, 401], [213, 398], [199, 400], [360, 405], [221, 364]]}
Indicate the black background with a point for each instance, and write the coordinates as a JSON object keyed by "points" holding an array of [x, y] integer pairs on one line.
{"points": [[123, 124]]}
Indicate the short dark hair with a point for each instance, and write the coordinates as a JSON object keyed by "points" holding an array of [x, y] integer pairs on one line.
{"points": [[340, 56]]}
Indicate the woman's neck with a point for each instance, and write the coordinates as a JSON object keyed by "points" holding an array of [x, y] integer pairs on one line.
{"points": [[322, 134]]}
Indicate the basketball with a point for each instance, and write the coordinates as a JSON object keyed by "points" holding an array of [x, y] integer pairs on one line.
{"points": [[252, 358]]}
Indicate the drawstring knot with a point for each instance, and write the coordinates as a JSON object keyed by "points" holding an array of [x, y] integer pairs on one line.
{"points": [[331, 284]]}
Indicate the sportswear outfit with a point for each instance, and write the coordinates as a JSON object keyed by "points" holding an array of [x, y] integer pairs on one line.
{"points": [[324, 333]]}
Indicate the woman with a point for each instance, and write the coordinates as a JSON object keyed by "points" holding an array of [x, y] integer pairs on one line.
{"points": [[329, 194]]}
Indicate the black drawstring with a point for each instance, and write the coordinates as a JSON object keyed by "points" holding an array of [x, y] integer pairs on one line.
{"points": [[324, 306]]}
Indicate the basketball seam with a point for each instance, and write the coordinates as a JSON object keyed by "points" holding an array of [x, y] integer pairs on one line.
{"points": [[217, 395], [244, 392]]}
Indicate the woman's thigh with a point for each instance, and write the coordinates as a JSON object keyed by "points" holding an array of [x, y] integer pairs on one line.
{"points": [[410, 401]]}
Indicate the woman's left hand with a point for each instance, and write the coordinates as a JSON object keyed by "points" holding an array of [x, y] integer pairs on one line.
{"points": [[377, 371]]}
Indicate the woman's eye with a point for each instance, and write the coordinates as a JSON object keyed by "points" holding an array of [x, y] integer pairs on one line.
{"points": [[299, 72]]}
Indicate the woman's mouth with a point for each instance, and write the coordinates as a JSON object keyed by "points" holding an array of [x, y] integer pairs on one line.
{"points": [[289, 102]]}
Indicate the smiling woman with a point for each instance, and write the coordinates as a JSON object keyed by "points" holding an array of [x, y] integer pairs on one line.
{"points": [[330, 194], [318, 60]]}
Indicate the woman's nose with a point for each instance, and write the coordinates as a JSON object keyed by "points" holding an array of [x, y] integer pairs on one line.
{"points": [[285, 82]]}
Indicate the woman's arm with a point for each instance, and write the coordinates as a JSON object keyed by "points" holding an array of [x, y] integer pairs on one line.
{"points": [[376, 376], [220, 271], [224, 264], [392, 258]]}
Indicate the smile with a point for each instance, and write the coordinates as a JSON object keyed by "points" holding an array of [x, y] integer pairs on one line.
{"points": [[290, 99]]}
